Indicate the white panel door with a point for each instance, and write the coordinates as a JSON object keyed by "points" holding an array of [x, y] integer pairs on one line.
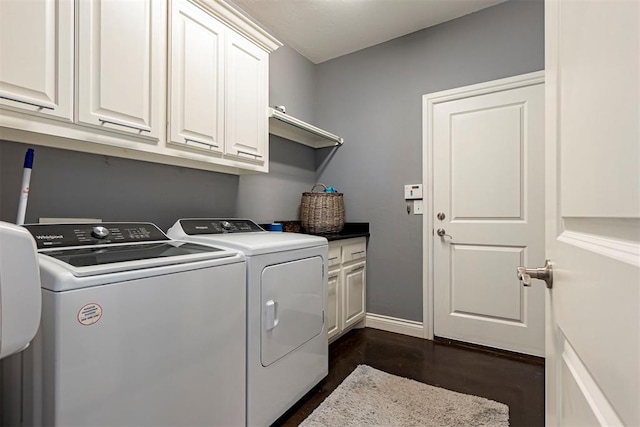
{"points": [[197, 77], [247, 71], [36, 56], [122, 65], [593, 212], [488, 181], [354, 297], [333, 304]]}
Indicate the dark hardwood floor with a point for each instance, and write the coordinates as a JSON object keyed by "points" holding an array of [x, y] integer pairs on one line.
{"points": [[516, 382]]}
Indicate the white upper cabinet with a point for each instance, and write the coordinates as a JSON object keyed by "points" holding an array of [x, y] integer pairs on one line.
{"points": [[121, 65], [247, 73], [36, 57], [99, 68], [196, 78]]}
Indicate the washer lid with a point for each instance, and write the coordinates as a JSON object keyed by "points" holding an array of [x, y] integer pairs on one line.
{"points": [[102, 248], [249, 242], [101, 260], [100, 255]]}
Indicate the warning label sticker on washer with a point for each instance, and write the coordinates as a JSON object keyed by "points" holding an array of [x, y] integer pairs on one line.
{"points": [[90, 314]]}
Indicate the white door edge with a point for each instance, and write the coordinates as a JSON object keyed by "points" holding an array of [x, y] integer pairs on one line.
{"points": [[428, 103]]}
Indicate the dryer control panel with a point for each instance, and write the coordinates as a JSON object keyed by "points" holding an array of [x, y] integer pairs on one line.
{"points": [[65, 235], [194, 227]]}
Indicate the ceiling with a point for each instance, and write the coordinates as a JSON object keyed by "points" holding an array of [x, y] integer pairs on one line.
{"points": [[326, 29]]}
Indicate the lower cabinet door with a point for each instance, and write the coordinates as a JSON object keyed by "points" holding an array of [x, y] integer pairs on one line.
{"points": [[354, 293], [333, 305]]}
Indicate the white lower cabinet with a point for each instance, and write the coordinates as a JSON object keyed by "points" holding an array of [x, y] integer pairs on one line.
{"points": [[346, 301], [353, 280], [333, 304]]}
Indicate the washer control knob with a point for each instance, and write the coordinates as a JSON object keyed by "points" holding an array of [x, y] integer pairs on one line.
{"points": [[100, 232], [226, 225]]}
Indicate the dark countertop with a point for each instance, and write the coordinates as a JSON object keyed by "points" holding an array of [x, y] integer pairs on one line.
{"points": [[349, 231]]}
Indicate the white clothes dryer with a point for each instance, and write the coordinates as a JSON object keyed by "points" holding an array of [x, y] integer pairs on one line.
{"points": [[137, 330], [287, 291]]}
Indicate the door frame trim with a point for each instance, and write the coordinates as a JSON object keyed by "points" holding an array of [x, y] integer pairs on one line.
{"points": [[428, 103]]}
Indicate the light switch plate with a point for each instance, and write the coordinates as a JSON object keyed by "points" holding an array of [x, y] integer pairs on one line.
{"points": [[413, 191], [418, 207]]}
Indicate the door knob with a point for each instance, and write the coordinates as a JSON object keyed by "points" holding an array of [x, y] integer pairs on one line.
{"points": [[542, 273], [443, 233]]}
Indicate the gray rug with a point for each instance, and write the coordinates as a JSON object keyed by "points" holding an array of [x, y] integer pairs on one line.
{"points": [[368, 397]]}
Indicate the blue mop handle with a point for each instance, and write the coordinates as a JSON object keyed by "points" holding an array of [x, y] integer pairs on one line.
{"points": [[24, 189]]}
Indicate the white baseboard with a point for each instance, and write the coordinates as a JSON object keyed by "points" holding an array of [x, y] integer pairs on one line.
{"points": [[393, 324]]}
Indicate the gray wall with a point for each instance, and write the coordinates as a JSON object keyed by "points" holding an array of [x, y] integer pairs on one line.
{"points": [[373, 99], [72, 184], [292, 82], [276, 196]]}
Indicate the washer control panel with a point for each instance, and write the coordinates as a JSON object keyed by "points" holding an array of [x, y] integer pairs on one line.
{"points": [[194, 227], [65, 235]]}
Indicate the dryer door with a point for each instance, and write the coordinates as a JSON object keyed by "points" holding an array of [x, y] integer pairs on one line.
{"points": [[292, 306]]}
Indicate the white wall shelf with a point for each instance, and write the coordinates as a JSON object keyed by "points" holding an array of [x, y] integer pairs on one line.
{"points": [[288, 127]]}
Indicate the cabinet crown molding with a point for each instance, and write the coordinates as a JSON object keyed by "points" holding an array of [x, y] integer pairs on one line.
{"points": [[241, 23]]}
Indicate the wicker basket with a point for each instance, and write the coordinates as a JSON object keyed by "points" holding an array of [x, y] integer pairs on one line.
{"points": [[322, 213]]}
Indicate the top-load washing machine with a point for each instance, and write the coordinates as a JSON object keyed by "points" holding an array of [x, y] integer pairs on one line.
{"points": [[286, 290], [136, 330]]}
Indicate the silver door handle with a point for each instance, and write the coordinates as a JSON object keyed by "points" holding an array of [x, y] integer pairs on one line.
{"points": [[257, 156], [124, 125], [443, 233], [27, 102], [208, 145], [542, 273]]}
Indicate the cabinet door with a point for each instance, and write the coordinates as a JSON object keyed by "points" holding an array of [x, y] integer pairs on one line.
{"points": [[197, 78], [121, 65], [354, 293], [333, 304], [246, 103], [36, 51]]}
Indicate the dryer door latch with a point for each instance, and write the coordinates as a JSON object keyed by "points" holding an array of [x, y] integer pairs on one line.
{"points": [[271, 314]]}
